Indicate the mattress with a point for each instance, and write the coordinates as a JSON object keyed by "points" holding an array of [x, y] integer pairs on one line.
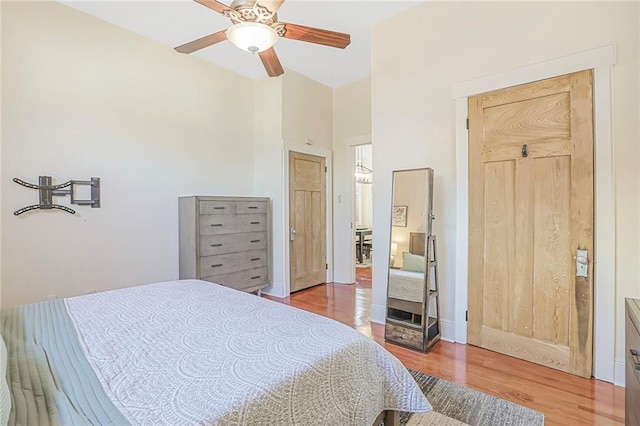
{"points": [[186, 352], [406, 285]]}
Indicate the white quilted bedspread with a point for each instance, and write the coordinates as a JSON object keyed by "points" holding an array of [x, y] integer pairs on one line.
{"points": [[191, 352], [406, 285]]}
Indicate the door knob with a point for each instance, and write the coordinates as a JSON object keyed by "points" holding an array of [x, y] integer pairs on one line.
{"points": [[292, 233], [582, 263]]}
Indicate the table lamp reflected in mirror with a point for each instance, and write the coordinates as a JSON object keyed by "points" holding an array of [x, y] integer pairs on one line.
{"points": [[394, 252]]}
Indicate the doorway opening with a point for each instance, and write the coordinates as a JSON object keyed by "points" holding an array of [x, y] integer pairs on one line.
{"points": [[363, 214]]}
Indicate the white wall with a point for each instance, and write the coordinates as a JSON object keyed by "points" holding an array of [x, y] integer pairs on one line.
{"points": [[351, 119], [84, 98], [413, 112], [307, 111], [289, 109], [268, 164]]}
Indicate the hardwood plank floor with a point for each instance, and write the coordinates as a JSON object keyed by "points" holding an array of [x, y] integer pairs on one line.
{"points": [[363, 277], [564, 399]]}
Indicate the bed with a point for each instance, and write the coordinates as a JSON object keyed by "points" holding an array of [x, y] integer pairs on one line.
{"points": [[407, 287], [192, 352]]}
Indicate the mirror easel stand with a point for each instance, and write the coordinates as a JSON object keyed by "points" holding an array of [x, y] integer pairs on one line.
{"points": [[432, 333]]}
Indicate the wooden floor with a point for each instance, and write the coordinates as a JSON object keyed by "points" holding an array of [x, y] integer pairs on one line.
{"points": [[564, 399], [363, 277]]}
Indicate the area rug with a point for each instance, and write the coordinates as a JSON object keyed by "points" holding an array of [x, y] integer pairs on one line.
{"points": [[454, 404]]}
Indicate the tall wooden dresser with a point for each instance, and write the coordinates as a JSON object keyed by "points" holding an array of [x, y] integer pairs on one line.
{"points": [[225, 240], [632, 363]]}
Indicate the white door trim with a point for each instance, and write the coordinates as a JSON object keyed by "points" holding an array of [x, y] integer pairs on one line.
{"points": [[601, 61], [350, 156], [320, 152]]}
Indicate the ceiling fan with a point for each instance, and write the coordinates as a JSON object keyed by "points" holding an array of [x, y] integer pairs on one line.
{"points": [[256, 29]]}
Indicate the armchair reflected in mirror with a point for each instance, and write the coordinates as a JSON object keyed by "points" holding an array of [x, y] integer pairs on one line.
{"points": [[413, 311]]}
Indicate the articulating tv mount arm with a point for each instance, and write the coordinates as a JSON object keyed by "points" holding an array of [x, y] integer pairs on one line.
{"points": [[48, 191]]}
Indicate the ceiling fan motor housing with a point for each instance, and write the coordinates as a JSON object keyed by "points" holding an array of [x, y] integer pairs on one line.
{"points": [[249, 11]]}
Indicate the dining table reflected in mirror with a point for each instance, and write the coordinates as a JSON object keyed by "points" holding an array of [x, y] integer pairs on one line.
{"points": [[363, 244]]}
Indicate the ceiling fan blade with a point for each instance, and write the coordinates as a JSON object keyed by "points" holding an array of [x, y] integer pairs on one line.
{"points": [[271, 5], [213, 5], [316, 35], [271, 62], [203, 42]]}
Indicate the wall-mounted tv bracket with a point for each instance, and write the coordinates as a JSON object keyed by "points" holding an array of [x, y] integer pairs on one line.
{"points": [[48, 191]]}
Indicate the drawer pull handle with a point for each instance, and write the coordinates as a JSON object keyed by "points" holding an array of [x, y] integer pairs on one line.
{"points": [[256, 277], [634, 356], [216, 265], [216, 245], [219, 208], [255, 223], [255, 241], [255, 258], [252, 207], [216, 224]]}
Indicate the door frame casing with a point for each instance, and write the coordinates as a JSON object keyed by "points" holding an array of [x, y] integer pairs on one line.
{"points": [[601, 60], [326, 154]]}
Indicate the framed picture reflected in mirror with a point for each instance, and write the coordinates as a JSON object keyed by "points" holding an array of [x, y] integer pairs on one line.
{"points": [[399, 216]]}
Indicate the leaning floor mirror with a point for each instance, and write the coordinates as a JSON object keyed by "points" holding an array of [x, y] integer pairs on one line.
{"points": [[413, 311]]}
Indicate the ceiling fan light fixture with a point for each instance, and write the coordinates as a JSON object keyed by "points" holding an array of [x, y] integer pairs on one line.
{"points": [[252, 36]]}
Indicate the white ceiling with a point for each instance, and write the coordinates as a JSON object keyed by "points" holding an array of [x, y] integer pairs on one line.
{"points": [[176, 22]]}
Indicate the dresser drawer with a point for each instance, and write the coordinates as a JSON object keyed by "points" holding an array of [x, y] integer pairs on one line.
{"points": [[218, 224], [251, 207], [232, 262], [251, 222], [232, 243], [403, 335], [217, 207], [226, 224], [243, 279]]}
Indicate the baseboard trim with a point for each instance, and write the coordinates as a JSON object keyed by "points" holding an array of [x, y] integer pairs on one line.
{"points": [[618, 372], [378, 314], [448, 332], [275, 290]]}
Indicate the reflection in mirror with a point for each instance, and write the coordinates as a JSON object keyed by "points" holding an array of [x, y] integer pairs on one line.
{"points": [[412, 290]]}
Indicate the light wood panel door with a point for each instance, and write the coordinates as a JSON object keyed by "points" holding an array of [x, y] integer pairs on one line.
{"points": [[531, 208], [307, 219]]}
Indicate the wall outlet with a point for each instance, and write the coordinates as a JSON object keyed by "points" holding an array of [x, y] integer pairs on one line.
{"points": [[90, 291], [51, 297]]}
